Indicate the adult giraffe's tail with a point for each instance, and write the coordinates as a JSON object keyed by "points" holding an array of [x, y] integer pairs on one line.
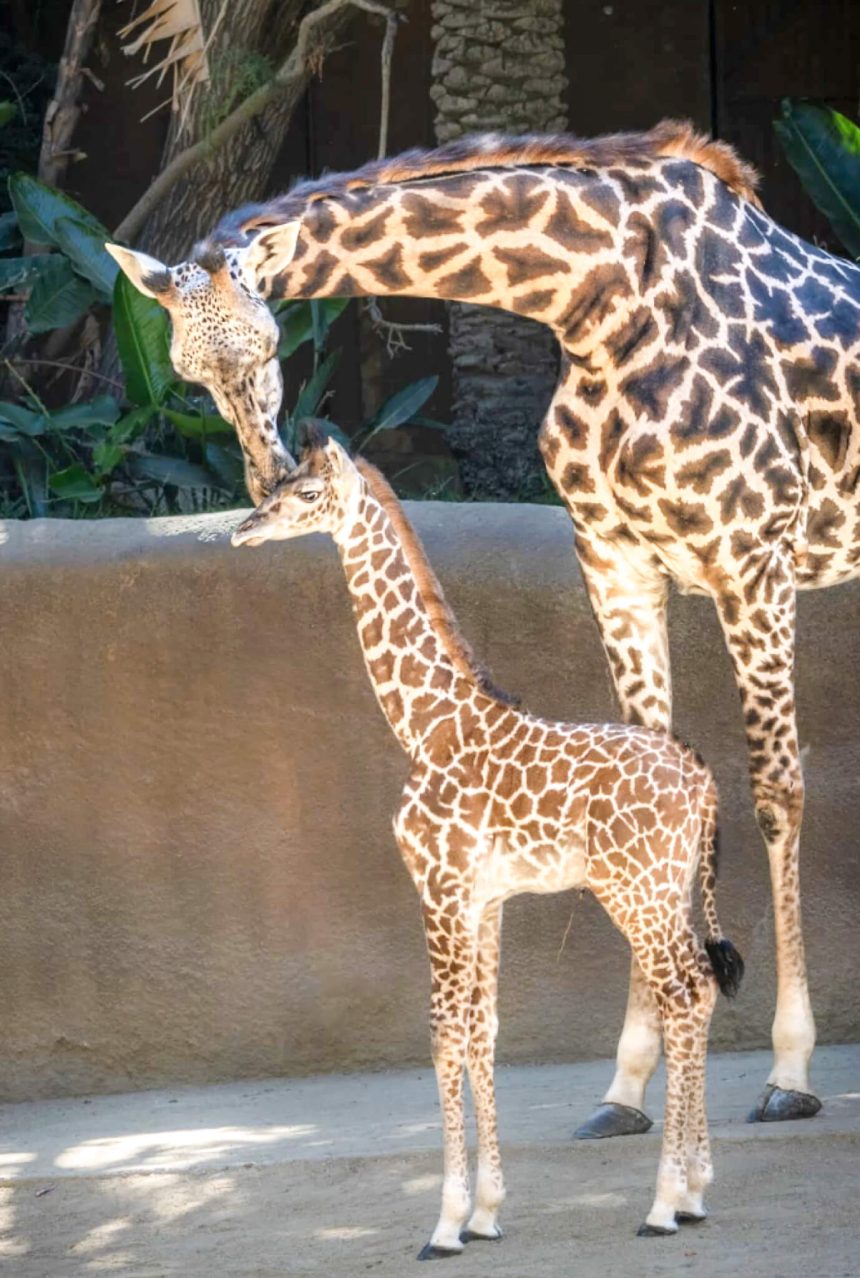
{"points": [[725, 960]]}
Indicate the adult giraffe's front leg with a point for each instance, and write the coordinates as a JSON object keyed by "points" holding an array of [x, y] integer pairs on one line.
{"points": [[629, 603], [760, 634]]}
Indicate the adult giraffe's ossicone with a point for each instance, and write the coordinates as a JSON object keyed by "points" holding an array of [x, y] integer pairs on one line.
{"points": [[704, 428]]}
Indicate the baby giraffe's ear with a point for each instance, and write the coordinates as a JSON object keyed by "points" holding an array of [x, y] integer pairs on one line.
{"points": [[338, 458]]}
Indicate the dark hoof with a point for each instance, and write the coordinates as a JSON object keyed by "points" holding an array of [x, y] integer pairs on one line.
{"points": [[688, 1218], [778, 1106], [610, 1119], [429, 1252], [468, 1235], [654, 1231]]}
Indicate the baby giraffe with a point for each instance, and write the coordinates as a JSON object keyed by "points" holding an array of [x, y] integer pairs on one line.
{"points": [[499, 802]]}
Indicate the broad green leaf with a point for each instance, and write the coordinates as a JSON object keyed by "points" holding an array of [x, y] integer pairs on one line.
{"points": [[431, 423], [10, 235], [106, 456], [8, 111], [402, 406], [101, 411], [23, 420], [84, 246], [58, 297], [824, 149], [196, 426], [140, 324], [40, 208], [172, 470], [312, 392], [15, 271], [75, 483]]}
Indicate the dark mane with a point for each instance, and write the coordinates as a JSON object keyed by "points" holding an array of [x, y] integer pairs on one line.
{"points": [[490, 151], [438, 608]]}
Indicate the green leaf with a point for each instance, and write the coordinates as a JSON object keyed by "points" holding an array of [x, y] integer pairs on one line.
{"points": [[75, 483], [172, 470], [40, 208], [8, 111], [10, 235], [140, 324], [824, 149], [197, 426], [312, 392], [402, 406], [58, 297], [20, 270], [224, 463], [23, 420], [101, 411], [107, 456], [131, 424], [84, 246], [296, 321]]}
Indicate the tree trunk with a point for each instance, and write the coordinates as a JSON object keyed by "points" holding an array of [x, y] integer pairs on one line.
{"points": [[253, 38], [498, 67]]}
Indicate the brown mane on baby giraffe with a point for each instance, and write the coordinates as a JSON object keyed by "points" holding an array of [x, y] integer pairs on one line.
{"points": [[430, 589], [500, 802]]}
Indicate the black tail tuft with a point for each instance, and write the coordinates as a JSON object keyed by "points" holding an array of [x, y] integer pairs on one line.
{"points": [[727, 964]]}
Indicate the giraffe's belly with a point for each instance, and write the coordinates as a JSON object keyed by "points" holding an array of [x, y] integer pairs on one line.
{"points": [[514, 864]]}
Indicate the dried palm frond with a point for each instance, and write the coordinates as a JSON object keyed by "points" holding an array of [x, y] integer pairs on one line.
{"points": [[179, 22]]}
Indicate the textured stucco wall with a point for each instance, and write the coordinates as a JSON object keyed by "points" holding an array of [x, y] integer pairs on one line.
{"points": [[198, 879]]}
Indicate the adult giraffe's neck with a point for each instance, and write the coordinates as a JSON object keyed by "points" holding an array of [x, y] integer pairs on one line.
{"points": [[421, 668], [545, 243]]}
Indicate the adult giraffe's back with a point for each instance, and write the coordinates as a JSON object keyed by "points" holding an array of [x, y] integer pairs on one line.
{"points": [[704, 428]]}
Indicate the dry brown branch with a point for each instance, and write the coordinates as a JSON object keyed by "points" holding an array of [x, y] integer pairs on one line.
{"points": [[392, 332], [64, 109], [292, 73]]}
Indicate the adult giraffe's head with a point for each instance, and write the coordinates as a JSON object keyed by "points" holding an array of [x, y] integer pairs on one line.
{"points": [[225, 338]]}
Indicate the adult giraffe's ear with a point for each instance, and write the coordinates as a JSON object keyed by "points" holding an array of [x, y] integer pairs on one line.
{"points": [[147, 274], [270, 252]]}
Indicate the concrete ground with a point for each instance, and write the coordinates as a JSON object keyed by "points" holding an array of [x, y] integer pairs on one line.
{"points": [[339, 1176]]}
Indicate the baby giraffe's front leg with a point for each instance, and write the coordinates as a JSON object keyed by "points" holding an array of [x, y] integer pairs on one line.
{"points": [[453, 949]]}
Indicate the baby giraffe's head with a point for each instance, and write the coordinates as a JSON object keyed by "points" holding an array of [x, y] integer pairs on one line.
{"points": [[315, 497]]}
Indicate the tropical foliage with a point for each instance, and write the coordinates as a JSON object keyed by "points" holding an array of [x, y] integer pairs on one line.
{"points": [[153, 444], [824, 149]]}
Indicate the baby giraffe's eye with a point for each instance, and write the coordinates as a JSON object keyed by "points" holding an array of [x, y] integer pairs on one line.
{"points": [[309, 494]]}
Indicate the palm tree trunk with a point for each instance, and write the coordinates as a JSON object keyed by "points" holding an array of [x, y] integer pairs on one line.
{"points": [[498, 65]]}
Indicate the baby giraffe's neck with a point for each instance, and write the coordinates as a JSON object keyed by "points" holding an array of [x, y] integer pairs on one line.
{"points": [[421, 669]]}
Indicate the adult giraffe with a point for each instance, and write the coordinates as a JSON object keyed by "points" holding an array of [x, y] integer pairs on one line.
{"points": [[704, 428]]}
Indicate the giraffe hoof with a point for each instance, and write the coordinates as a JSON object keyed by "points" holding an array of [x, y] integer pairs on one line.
{"points": [[689, 1218], [777, 1105], [430, 1252], [654, 1231], [610, 1119], [469, 1235]]}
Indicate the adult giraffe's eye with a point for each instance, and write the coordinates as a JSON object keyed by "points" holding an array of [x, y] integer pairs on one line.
{"points": [[309, 495]]}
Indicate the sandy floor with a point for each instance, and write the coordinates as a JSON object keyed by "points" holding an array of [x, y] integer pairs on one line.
{"points": [[785, 1205]]}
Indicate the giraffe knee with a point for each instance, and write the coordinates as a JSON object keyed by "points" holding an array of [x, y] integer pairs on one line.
{"points": [[779, 804]]}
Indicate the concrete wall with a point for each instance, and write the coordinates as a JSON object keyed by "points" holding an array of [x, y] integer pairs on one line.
{"points": [[198, 879]]}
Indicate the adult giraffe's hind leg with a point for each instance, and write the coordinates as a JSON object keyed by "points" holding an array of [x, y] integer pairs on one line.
{"points": [[630, 609], [759, 632]]}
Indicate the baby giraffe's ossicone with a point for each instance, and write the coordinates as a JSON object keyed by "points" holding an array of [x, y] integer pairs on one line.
{"points": [[499, 802]]}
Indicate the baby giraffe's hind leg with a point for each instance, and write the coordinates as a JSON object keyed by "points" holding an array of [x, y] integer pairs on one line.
{"points": [[483, 1027], [686, 1001]]}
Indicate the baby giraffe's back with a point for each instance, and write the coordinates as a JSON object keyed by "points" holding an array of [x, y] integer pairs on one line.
{"points": [[593, 805]]}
